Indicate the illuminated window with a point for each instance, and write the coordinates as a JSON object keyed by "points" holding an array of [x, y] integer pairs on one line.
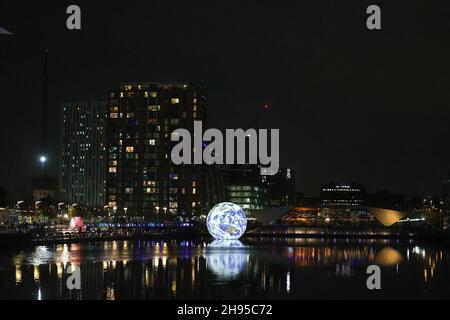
{"points": [[151, 191], [129, 190], [154, 108], [173, 177], [112, 170], [173, 205], [114, 116], [130, 149], [154, 94], [130, 115], [175, 101], [193, 204], [194, 191], [112, 204], [114, 109], [150, 183]]}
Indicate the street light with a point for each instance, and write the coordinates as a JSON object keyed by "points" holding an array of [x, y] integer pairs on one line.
{"points": [[43, 161], [157, 215]]}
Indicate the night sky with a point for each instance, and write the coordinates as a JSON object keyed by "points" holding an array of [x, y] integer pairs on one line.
{"points": [[351, 104]]}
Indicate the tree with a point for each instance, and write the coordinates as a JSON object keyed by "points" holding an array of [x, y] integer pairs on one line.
{"points": [[48, 207]]}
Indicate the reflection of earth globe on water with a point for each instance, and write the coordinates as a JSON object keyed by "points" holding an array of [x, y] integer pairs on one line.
{"points": [[230, 244], [227, 221], [226, 259]]}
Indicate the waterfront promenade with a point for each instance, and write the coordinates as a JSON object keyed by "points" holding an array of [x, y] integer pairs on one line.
{"points": [[47, 237]]}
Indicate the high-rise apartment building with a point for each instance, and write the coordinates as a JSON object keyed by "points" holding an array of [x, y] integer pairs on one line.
{"points": [[83, 154], [141, 178]]}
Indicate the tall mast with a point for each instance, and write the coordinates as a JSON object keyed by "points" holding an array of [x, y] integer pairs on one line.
{"points": [[43, 157]]}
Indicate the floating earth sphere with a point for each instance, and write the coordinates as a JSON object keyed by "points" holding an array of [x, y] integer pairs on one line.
{"points": [[227, 221]]}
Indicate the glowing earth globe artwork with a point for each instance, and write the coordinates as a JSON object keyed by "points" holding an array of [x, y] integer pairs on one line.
{"points": [[227, 221]]}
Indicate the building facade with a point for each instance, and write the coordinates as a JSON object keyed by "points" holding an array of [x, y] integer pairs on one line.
{"points": [[282, 188], [339, 195], [141, 178], [83, 154], [244, 186]]}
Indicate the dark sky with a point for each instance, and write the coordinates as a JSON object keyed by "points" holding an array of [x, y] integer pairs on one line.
{"points": [[351, 104]]}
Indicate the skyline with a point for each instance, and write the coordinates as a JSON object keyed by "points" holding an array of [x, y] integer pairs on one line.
{"points": [[222, 157], [328, 137]]}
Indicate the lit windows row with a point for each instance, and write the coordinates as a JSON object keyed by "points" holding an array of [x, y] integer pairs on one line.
{"points": [[342, 190], [116, 115], [245, 188]]}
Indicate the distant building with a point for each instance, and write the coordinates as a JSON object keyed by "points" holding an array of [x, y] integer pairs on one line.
{"points": [[141, 178], [281, 188], [342, 195], [44, 188], [302, 200], [83, 154], [244, 187], [446, 198], [215, 186]]}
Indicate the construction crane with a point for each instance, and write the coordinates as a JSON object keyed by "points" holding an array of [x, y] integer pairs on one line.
{"points": [[258, 118]]}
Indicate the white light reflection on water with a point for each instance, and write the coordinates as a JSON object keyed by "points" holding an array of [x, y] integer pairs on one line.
{"points": [[183, 269], [226, 259]]}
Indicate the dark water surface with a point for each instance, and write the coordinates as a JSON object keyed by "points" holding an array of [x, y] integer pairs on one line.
{"points": [[255, 269]]}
